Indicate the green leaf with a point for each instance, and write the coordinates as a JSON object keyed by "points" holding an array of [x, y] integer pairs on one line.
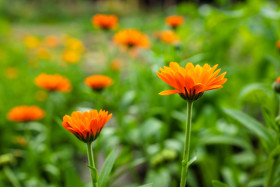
{"points": [[255, 87], [275, 152], [253, 125], [147, 185], [224, 140], [192, 161], [107, 167], [219, 184], [72, 179]]}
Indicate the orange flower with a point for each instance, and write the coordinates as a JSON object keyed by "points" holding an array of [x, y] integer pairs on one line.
{"points": [[86, 126], [116, 64], [105, 22], [98, 82], [43, 53], [190, 82], [278, 44], [131, 38], [168, 37], [25, 114], [174, 21], [71, 57], [276, 85], [51, 41], [11, 73], [31, 42], [53, 82]]}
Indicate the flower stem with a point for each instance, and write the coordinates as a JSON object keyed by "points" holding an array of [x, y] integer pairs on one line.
{"points": [[271, 172], [93, 171], [187, 146]]}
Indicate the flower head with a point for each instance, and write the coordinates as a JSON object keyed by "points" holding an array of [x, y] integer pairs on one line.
{"points": [[51, 41], [25, 114], [276, 85], [168, 37], [116, 64], [31, 42], [98, 82], [86, 126], [190, 82], [70, 56], [174, 21], [11, 73], [105, 22], [53, 82], [131, 38], [74, 44], [43, 53]]}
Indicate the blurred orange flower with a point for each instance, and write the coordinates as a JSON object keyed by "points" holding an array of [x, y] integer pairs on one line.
{"points": [[53, 82], [168, 37], [131, 38], [43, 53], [105, 22], [11, 73], [98, 82], [74, 44], [86, 126], [51, 41], [116, 64], [25, 114], [71, 57], [20, 140], [31, 42], [276, 85], [190, 82], [174, 21]]}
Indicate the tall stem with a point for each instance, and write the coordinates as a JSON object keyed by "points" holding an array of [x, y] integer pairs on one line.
{"points": [[93, 171], [187, 146], [271, 172]]}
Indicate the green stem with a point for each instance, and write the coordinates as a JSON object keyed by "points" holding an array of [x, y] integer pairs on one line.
{"points": [[187, 146], [271, 171], [93, 171]]}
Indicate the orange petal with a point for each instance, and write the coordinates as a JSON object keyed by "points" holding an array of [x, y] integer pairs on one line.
{"points": [[169, 92]]}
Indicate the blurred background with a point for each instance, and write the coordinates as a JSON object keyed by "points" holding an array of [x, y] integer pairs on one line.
{"points": [[58, 37]]}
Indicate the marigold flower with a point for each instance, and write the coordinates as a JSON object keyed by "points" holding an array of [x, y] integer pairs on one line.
{"points": [[276, 85], [190, 82], [20, 140], [116, 65], [174, 21], [168, 37], [31, 42], [11, 73], [53, 82], [71, 57], [131, 38], [43, 53], [25, 114], [51, 41], [105, 22], [74, 44], [98, 82], [86, 126]]}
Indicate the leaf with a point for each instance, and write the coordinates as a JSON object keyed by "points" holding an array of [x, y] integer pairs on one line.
{"points": [[192, 161], [255, 87], [253, 125], [275, 152], [72, 179], [107, 167], [147, 185], [225, 140], [219, 184]]}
